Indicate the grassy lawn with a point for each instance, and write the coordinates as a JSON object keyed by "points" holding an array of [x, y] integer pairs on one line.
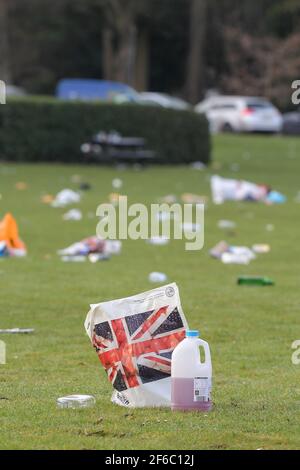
{"points": [[256, 390]]}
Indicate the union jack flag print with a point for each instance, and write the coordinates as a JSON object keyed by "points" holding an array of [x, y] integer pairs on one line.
{"points": [[137, 349]]}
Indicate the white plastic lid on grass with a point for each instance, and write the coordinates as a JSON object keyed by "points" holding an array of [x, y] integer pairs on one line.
{"points": [[76, 401]]}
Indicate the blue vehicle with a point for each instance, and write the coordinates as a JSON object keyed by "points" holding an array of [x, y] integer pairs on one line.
{"points": [[96, 90]]}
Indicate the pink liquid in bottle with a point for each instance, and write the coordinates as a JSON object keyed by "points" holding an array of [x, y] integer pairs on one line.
{"points": [[183, 396]]}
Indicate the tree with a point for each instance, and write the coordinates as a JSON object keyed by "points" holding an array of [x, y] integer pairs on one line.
{"points": [[196, 61], [120, 34], [5, 74]]}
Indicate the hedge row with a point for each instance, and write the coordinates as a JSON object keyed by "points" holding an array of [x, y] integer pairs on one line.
{"points": [[42, 129]]}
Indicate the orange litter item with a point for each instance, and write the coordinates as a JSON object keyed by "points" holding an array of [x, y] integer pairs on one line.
{"points": [[9, 233]]}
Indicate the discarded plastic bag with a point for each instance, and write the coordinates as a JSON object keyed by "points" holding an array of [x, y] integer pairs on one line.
{"points": [[134, 339], [66, 197]]}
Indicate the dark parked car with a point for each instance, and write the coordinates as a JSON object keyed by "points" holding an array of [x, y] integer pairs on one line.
{"points": [[291, 123]]}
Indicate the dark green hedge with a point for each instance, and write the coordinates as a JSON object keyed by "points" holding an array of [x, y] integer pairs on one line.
{"points": [[42, 129]]}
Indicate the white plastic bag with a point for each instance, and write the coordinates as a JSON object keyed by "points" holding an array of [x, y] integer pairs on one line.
{"points": [[134, 338]]}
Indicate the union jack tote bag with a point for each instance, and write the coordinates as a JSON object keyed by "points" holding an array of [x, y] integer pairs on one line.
{"points": [[134, 339]]}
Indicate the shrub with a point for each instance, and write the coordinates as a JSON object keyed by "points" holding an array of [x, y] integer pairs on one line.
{"points": [[45, 129]]}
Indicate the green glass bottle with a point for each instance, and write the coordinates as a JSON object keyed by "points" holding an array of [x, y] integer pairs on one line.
{"points": [[255, 281]]}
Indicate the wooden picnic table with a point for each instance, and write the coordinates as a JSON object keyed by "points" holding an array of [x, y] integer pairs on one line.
{"points": [[114, 148]]}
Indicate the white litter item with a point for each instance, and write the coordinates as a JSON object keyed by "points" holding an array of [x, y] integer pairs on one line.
{"points": [[134, 339], [112, 247], [226, 189], [15, 331], [261, 248], [66, 197], [156, 276], [95, 257], [117, 183], [226, 224], [242, 251], [73, 214], [73, 258], [191, 374], [18, 252], [76, 401], [233, 258], [78, 248], [270, 227], [158, 241], [198, 166]]}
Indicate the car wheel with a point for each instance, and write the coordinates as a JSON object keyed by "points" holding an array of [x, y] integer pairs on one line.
{"points": [[227, 127]]}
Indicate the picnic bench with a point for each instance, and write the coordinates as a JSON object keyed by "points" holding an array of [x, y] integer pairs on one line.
{"points": [[114, 148]]}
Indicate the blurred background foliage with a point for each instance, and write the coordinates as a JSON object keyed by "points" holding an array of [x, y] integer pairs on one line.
{"points": [[184, 47]]}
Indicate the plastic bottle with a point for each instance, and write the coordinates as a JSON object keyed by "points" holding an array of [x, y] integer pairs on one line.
{"points": [[254, 281], [191, 374]]}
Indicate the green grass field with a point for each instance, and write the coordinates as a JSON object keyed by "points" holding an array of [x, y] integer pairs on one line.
{"points": [[256, 390]]}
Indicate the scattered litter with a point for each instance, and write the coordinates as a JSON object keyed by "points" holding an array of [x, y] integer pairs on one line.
{"points": [[219, 249], [235, 258], [73, 258], [21, 186], [225, 189], [157, 277], [92, 245], [73, 214], [112, 247], [198, 166], [117, 183], [189, 198], [158, 240], [141, 333], [261, 248], [96, 257], [274, 197], [66, 197], [232, 254], [47, 198], [255, 281], [10, 243], [76, 401], [226, 224], [85, 186], [15, 331]]}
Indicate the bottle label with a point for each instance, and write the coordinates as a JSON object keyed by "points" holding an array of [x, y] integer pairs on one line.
{"points": [[202, 388]]}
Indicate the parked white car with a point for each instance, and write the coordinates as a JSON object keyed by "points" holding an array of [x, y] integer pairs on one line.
{"points": [[240, 114]]}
